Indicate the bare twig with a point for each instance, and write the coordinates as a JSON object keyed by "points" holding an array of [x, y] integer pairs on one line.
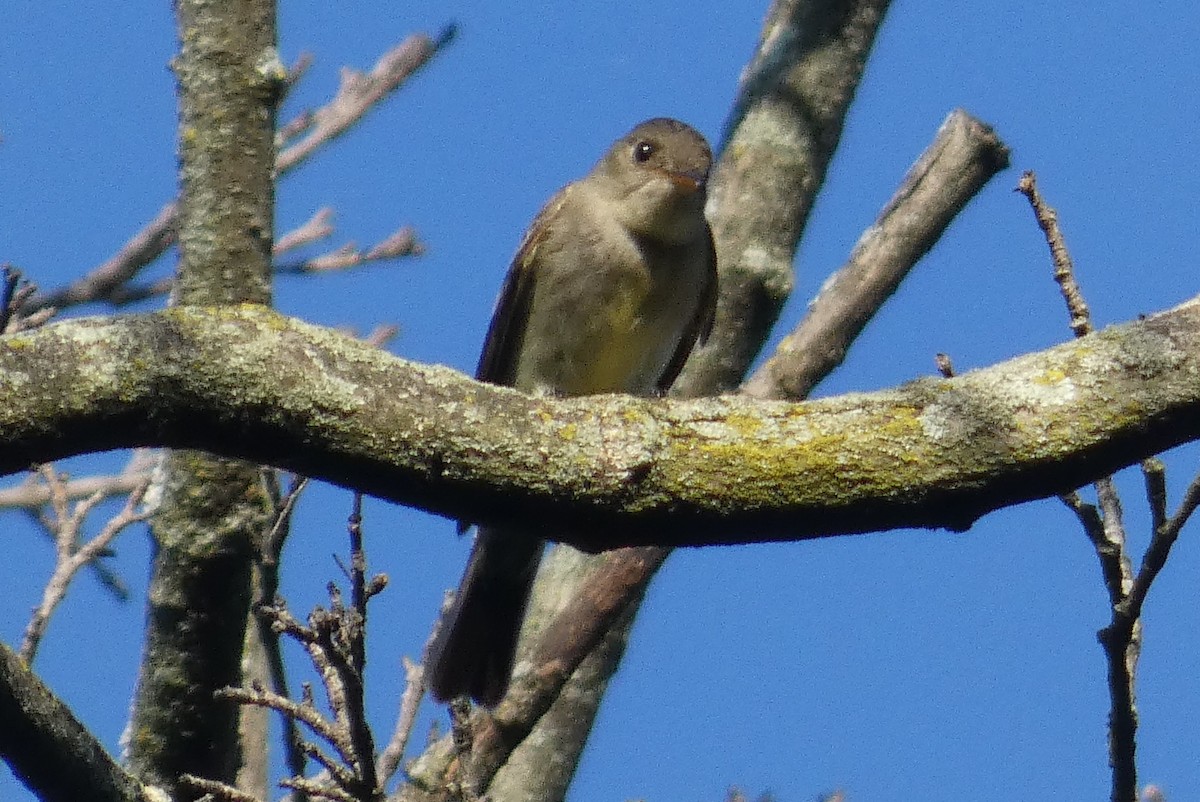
{"points": [[1154, 473], [11, 278], [401, 243], [358, 94], [14, 295], [295, 74], [132, 293], [294, 128], [1165, 534], [382, 334], [355, 651], [297, 71], [1105, 527], [317, 227], [216, 790], [33, 492], [1064, 271], [139, 251], [304, 712], [71, 556], [410, 702], [1114, 539], [317, 789], [273, 542], [268, 588], [335, 642]]}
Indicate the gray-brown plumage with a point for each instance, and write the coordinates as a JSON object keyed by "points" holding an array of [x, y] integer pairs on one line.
{"points": [[610, 289]]}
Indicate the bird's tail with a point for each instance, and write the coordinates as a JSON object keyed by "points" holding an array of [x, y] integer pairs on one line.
{"points": [[477, 640]]}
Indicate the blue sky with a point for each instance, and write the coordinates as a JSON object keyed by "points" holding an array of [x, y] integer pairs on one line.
{"points": [[912, 664]]}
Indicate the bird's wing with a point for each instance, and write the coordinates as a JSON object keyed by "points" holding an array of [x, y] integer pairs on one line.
{"points": [[502, 346], [701, 324]]}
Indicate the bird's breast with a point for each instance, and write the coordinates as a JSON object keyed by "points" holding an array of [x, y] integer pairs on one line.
{"points": [[608, 326]]}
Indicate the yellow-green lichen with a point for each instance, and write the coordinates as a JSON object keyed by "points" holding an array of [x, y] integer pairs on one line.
{"points": [[1050, 376], [744, 425]]}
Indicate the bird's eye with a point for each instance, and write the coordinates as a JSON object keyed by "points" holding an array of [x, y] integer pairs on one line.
{"points": [[642, 151]]}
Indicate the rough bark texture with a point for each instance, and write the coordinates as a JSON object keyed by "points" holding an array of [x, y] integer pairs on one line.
{"points": [[784, 130], [963, 157], [608, 470], [48, 749], [782, 133], [212, 508]]}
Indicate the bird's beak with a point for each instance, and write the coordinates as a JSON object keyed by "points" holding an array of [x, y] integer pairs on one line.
{"points": [[690, 181]]}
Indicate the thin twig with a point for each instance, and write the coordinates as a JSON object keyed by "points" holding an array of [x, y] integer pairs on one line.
{"points": [[361, 590], [139, 251], [1122, 638], [217, 790], [268, 585], [1064, 269], [304, 712], [318, 227], [14, 295], [32, 493], [273, 542], [410, 702], [12, 277], [400, 243], [1115, 536], [1155, 558], [1154, 474], [335, 642], [71, 557], [382, 334], [297, 71], [358, 94], [317, 790]]}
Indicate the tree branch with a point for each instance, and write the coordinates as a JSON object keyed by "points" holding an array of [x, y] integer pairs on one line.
{"points": [[784, 129], [962, 158], [48, 749], [358, 94], [212, 509], [604, 471], [72, 555]]}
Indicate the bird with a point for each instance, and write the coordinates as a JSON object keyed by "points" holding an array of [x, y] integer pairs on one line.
{"points": [[612, 286]]}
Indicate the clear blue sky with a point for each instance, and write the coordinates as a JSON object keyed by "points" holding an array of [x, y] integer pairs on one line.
{"points": [[907, 665]]}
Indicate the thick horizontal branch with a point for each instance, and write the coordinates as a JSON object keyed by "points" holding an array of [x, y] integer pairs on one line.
{"points": [[612, 470]]}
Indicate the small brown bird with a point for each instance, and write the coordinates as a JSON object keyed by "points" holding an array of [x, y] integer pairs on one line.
{"points": [[611, 287]]}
